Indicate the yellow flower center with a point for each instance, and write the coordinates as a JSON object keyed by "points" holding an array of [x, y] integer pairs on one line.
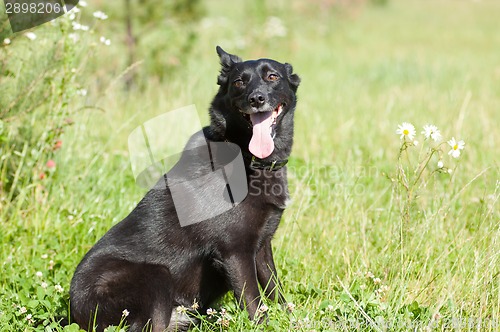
{"points": [[455, 147], [406, 132]]}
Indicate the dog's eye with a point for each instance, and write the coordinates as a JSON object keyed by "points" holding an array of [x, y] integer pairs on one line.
{"points": [[272, 77], [239, 83]]}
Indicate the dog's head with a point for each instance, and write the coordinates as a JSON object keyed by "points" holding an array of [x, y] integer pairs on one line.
{"points": [[259, 95]]}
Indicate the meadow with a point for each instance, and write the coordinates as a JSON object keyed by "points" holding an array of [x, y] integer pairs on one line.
{"points": [[383, 234]]}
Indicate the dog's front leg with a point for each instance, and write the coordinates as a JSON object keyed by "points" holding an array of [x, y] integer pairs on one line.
{"points": [[242, 276], [266, 273]]}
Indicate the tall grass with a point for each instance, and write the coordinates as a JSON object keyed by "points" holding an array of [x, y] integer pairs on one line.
{"points": [[348, 256]]}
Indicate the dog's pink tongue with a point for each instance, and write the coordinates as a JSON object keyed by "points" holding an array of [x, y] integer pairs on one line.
{"points": [[262, 144]]}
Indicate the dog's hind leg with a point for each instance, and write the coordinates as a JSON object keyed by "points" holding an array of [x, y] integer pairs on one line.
{"points": [[139, 293]]}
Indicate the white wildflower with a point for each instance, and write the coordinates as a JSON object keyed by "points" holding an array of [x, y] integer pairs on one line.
{"points": [[455, 147], [181, 309], [80, 92], [432, 132], [223, 321], [74, 37], [105, 41], [82, 3], [274, 27], [30, 319], [406, 130], [125, 313], [100, 15], [263, 308], [58, 288], [6, 41], [440, 164], [30, 35], [78, 26], [39, 274]]}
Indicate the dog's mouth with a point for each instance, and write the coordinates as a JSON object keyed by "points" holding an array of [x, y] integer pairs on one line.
{"points": [[264, 125]]}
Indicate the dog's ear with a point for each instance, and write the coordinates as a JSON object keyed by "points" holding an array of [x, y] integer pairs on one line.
{"points": [[294, 79], [227, 61]]}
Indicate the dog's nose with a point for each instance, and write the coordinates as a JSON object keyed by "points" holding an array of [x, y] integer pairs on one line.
{"points": [[256, 99]]}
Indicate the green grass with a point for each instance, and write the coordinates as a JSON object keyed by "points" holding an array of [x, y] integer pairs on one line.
{"points": [[348, 258]]}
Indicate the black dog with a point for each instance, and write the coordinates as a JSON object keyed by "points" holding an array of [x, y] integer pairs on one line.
{"points": [[149, 264]]}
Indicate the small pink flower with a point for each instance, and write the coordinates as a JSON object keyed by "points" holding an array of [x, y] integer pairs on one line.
{"points": [[57, 145], [51, 164], [42, 176]]}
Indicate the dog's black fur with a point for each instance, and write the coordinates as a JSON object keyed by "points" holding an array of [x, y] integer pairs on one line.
{"points": [[149, 264]]}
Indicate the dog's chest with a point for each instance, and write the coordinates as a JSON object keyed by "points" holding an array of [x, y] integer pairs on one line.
{"points": [[269, 187]]}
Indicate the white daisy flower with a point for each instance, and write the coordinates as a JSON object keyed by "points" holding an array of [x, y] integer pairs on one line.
{"points": [[211, 312], [455, 147], [431, 131], [30, 35], [406, 130], [100, 15]]}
